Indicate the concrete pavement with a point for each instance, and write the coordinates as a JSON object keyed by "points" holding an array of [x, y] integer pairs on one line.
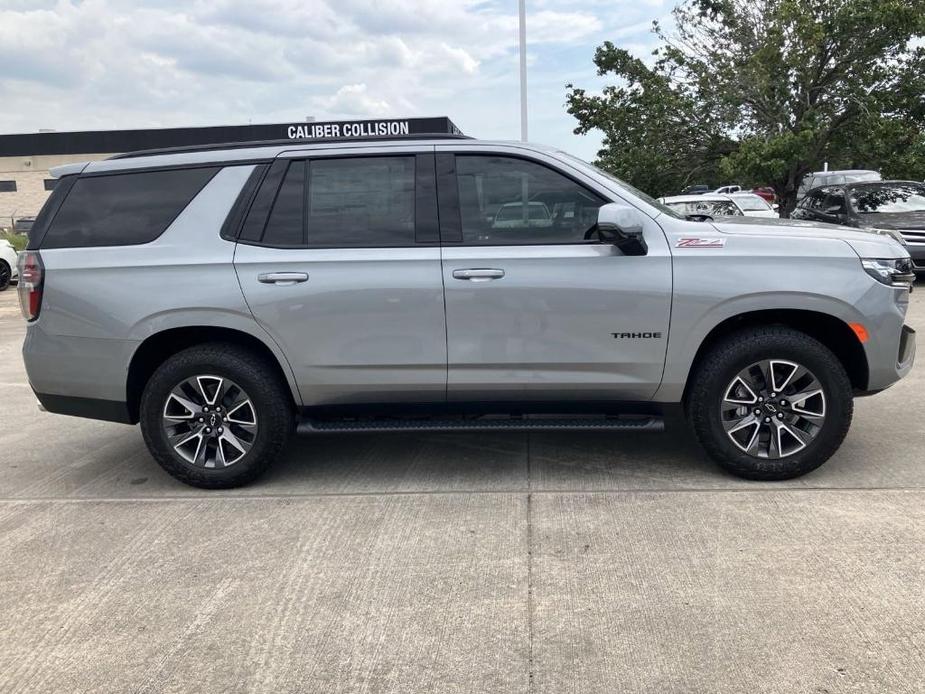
{"points": [[548, 562]]}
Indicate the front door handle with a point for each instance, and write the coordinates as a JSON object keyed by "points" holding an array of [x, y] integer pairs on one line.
{"points": [[282, 278], [478, 274]]}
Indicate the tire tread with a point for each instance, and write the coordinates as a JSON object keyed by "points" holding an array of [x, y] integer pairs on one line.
{"points": [[276, 413], [713, 368]]}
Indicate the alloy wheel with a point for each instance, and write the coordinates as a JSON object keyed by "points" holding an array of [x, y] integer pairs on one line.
{"points": [[209, 421], [773, 408]]}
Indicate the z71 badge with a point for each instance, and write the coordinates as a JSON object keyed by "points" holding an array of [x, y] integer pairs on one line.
{"points": [[700, 243]]}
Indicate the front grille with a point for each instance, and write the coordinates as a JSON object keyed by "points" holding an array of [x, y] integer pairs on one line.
{"points": [[913, 235]]}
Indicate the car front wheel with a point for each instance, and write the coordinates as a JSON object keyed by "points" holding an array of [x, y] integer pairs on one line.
{"points": [[770, 403], [215, 416]]}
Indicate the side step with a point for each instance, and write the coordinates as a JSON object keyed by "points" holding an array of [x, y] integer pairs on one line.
{"points": [[620, 423]]}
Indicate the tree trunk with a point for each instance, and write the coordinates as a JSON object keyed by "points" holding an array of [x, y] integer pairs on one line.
{"points": [[787, 193]]}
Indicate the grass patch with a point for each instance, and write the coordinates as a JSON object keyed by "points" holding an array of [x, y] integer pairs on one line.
{"points": [[18, 241]]}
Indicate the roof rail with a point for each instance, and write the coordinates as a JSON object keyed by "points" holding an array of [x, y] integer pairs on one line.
{"points": [[293, 142]]}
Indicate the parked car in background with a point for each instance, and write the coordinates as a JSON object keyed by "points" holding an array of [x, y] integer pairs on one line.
{"points": [[726, 190], [893, 207], [767, 193], [753, 205], [23, 225], [702, 205], [515, 215], [8, 266], [698, 189], [712, 205], [834, 178]]}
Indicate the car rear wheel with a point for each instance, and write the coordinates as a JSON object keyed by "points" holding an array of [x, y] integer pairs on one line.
{"points": [[770, 403], [6, 275], [215, 416]]}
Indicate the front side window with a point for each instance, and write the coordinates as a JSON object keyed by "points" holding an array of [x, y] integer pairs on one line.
{"points": [[815, 201], [509, 201], [124, 209], [834, 202]]}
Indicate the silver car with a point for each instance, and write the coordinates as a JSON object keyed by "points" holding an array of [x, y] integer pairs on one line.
{"points": [[225, 297]]}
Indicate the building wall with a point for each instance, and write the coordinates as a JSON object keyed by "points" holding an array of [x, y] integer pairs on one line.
{"points": [[30, 174]]}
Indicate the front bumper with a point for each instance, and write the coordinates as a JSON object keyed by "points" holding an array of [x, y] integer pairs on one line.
{"points": [[906, 350]]}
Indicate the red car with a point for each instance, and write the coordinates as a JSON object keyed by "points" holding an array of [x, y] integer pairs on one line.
{"points": [[767, 193]]}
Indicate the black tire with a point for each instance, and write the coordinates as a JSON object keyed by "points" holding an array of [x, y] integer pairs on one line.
{"points": [[736, 352], [6, 275], [272, 408]]}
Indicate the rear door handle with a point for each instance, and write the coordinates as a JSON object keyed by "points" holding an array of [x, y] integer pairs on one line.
{"points": [[282, 278], [478, 274]]}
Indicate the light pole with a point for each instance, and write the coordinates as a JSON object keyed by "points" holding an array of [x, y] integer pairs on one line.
{"points": [[523, 69]]}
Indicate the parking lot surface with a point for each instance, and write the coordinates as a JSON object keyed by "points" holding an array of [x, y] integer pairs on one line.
{"points": [[499, 562]]}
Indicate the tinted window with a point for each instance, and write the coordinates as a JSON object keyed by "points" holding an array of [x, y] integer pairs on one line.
{"points": [[503, 200], [123, 209], [815, 200], [360, 202], [834, 202], [285, 225], [889, 199]]}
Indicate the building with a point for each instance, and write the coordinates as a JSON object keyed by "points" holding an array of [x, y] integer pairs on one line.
{"points": [[25, 160]]}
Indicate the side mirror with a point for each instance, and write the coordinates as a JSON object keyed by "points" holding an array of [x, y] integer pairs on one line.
{"points": [[622, 226]]}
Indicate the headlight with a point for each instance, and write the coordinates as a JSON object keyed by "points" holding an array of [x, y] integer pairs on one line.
{"points": [[895, 272]]}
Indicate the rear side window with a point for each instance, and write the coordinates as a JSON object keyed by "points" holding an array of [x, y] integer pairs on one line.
{"points": [[359, 202], [286, 227], [124, 209]]}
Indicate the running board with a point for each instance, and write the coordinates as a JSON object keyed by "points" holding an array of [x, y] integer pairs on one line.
{"points": [[622, 423]]}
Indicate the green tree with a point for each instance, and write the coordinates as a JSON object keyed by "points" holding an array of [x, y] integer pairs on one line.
{"points": [[763, 91]]}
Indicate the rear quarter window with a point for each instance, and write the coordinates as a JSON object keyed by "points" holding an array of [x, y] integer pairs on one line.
{"points": [[123, 209]]}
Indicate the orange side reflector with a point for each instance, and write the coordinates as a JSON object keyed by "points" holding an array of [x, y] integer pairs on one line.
{"points": [[860, 331]]}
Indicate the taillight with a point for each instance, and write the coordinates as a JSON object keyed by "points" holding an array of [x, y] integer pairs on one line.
{"points": [[31, 281]]}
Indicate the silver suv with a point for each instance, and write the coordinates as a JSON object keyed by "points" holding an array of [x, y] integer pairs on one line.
{"points": [[223, 297]]}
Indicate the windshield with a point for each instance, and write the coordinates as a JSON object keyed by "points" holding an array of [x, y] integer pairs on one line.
{"points": [[753, 202], [895, 198], [862, 176], [713, 208], [581, 163]]}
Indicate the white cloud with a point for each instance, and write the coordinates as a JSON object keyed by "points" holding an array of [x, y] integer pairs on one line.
{"points": [[355, 100], [75, 64]]}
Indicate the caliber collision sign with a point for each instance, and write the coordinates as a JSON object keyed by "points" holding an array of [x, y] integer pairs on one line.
{"points": [[370, 128]]}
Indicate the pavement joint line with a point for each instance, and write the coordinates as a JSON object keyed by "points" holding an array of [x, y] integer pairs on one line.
{"points": [[463, 492], [530, 607]]}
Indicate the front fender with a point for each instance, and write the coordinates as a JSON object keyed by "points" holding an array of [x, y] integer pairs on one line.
{"points": [[709, 291]]}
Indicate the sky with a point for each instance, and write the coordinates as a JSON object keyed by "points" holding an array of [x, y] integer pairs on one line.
{"points": [[108, 64]]}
